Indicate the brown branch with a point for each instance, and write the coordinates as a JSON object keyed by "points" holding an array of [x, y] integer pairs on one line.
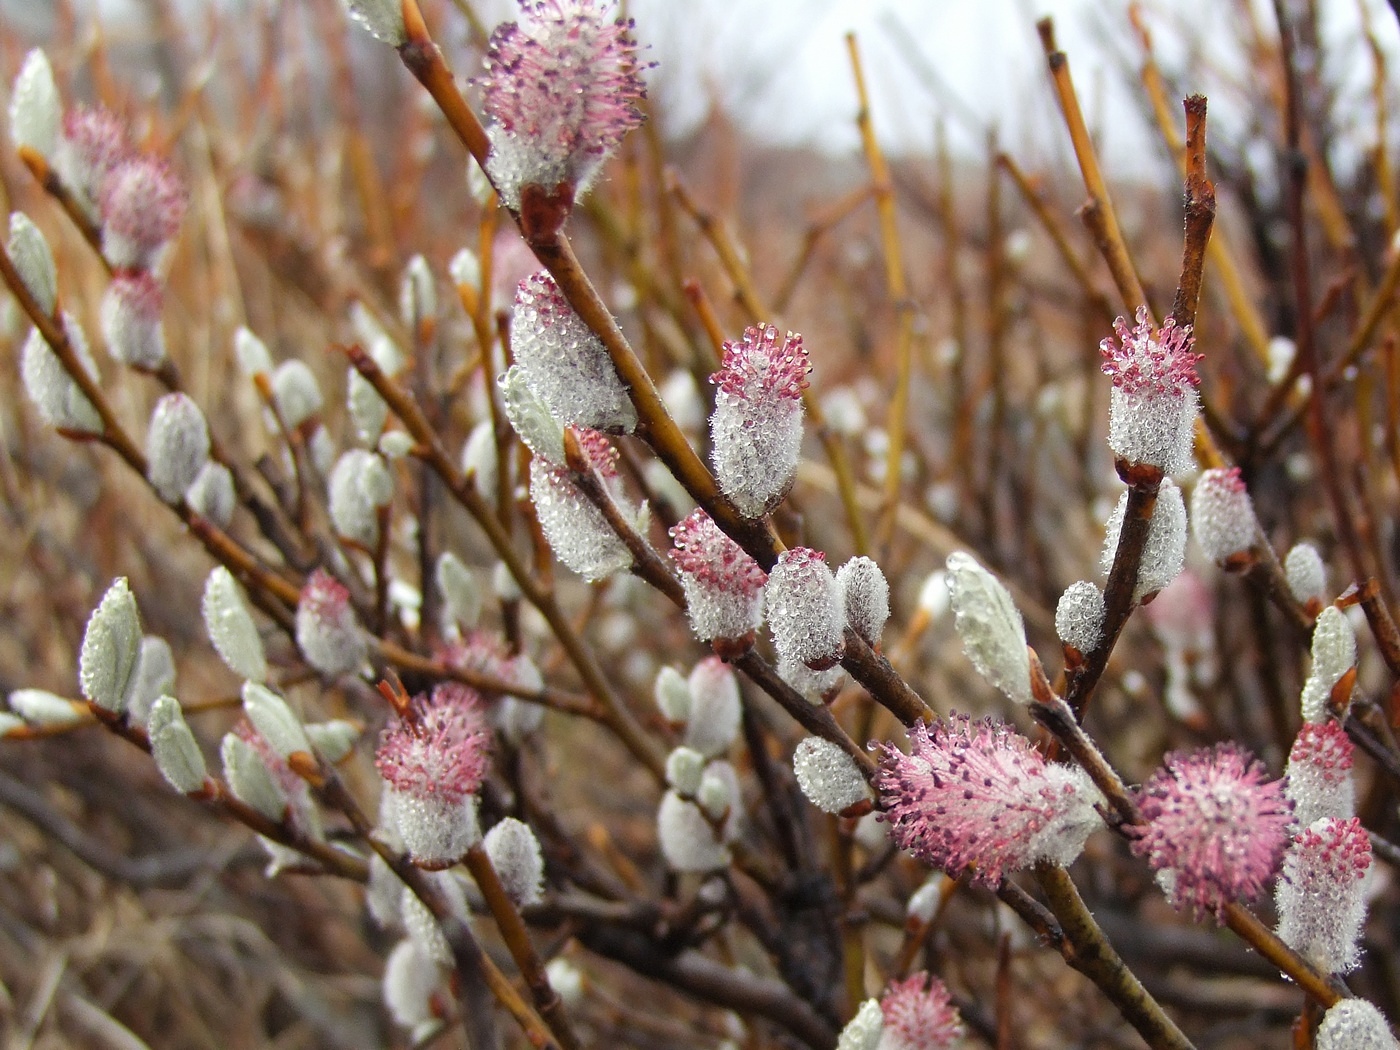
{"points": [[1200, 215]]}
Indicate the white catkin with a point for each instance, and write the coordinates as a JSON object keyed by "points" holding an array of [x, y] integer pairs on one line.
{"points": [[867, 597], [672, 695], [864, 1029], [828, 776], [275, 720], [410, 979], [36, 111], [153, 677], [41, 708], [515, 854], [462, 594], [58, 398], [110, 649], [684, 769], [1079, 616], [990, 626], [1333, 655], [1222, 515], [805, 609], [250, 779], [687, 839], [177, 446], [437, 829], [212, 494], [1354, 1024], [231, 628], [715, 707], [30, 253], [1164, 553], [296, 393], [1306, 574], [575, 529], [542, 433], [1321, 896], [174, 747]]}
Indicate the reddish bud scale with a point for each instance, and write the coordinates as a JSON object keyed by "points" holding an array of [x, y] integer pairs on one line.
{"points": [[1215, 823]]}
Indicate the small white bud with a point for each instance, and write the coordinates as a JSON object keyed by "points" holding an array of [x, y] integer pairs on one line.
{"points": [[154, 676], [716, 792], [990, 626], [1164, 553], [395, 445], [461, 594], [1333, 655], [684, 768], [566, 980], [250, 779], [59, 399], [1079, 616], [295, 393], [934, 598], [923, 903], [864, 1030], [1354, 1024], [672, 695], [333, 740], [44, 710], [231, 628], [1307, 576], [828, 776], [805, 609], [503, 584], [382, 19], [479, 460], [274, 719], [411, 977], [465, 269], [816, 687], [30, 253], [687, 840], [682, 399], [174, 747], [715, 707], [417, 295], [36, 111], [111, 646], [515, 854], [867, 597], [542, 433], [368, 411], [1222, 515], [9, 723], [252, 354], [212, 495], [359, 486], [177, 446], [130, 316]]}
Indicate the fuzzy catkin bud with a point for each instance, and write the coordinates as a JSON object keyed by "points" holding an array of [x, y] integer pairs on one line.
{"points": [[816, 687], [530, 418], [274, 720], [756, 427], [295, 392], [562, 90], [93, 143], [142, 206], [328, 634], [333, 740], [479, 460], [1306, 574], [687, 839], [177, 446], [684, 769], [723, 584], [1079, 616], [30, 253], [1154, 403], [252, 353], [1222, 515], [462, 595], [411, 978], [60, 401], [111, 647], [41, 708], [1333, 655], [359, 486], [465, 269], [575, 529], [1319, 782], [828, 776], [231, 628], [130, 316], [867, 597], [368, 411], [250, 779], [381, 19], [154, 676], [515, 854], [174, 747], [1164, 553], [1321, 906], [990, 626], [417, 296], [805, 610], [1354, 1024], [564, 363], [863, 1031], [715, 707], [36, 112], [212, 494], [672, 695]]}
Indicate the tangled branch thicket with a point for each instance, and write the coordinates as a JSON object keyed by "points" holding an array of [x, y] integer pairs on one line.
{"points": [[1007, 659]]}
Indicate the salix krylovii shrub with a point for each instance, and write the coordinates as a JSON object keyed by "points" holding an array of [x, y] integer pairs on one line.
{"points": [[349, 595]]}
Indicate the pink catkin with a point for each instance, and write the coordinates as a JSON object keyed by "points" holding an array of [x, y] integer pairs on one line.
{"points": [[978, 797], [94, 142], [760, 369], [562, 90], [919, 1015], [1319, 773], [441, 749], [1214, 823], [1153, 404], [723, 584], [1147, 360], [142, 204]]}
